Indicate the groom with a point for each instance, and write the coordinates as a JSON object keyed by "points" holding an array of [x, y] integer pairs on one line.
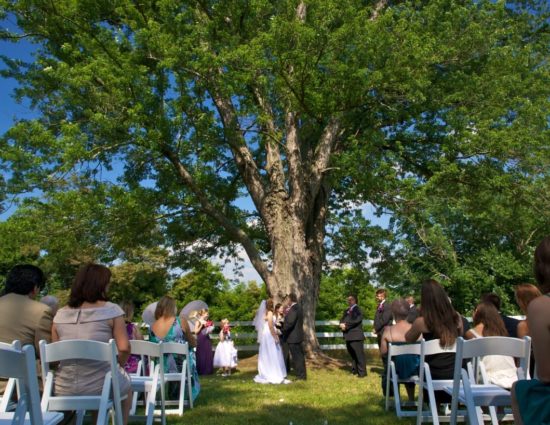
{"points": [[293, 336]]}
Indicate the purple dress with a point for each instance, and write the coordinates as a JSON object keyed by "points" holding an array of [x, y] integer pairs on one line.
{"points": [[205, 356]]}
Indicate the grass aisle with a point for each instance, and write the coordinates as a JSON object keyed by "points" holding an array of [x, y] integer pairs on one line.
{"points": [[329, 396]]}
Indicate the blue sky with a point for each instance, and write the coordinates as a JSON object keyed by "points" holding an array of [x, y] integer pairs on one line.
{"points": [[10, 111]]}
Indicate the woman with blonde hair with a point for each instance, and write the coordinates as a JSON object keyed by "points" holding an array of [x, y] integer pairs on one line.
{"points": [[168, 328], [205, 356]]}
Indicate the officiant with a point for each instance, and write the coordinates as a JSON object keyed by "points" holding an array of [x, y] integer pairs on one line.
{"points": [[351, 325]]}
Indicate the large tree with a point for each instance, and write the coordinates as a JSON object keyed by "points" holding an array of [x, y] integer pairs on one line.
{"points": [[275, 105]]}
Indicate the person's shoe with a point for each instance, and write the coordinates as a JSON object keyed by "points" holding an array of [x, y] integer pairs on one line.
{"points": [[287, 381]]}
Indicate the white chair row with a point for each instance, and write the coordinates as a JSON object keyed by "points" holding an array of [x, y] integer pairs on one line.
{"points": [[469, 387], [109, 401], [19, 365]]}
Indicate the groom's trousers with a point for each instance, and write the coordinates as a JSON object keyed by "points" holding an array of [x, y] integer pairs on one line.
{"points": [[298, 359]]}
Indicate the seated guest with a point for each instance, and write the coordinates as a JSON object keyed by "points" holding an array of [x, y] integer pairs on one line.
{"points": [[525, 293], [438, 320], [23, 318], [510, 323], [90, 316], [167, 327], [413, 311], [133, 333], [406, 365], [531, 398], [501, 370]]}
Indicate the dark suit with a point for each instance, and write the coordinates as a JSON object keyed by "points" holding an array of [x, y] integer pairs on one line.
{"points": [[354, 337], [511, 325], [413, 314], [292, 337], [382, 318]]}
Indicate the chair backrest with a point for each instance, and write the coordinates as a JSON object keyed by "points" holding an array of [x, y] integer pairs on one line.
{"points": [[400, 349], [492, 346], [175, 348], [429, 348], [150, 350], [20, 365], [12, 382], [81, 349]]}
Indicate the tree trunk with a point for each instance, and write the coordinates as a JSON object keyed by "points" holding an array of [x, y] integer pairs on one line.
{"points": [[297, 266]]}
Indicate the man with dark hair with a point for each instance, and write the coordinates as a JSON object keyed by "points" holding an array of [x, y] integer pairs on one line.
{"points": [[510, 323], [293, 336], [413, 312], [351, 325], [383, 315], [23, 318]]}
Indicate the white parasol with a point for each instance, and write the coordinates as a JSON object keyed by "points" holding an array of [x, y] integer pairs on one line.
{"points": [[148, 315]]}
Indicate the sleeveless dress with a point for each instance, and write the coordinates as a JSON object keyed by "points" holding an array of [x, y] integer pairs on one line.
{"points": [[406, 365], [85, 377], [226, 353], [205, 356], [174, 362], [132, 363], [533, 399], [501, 370], [271, 364]]}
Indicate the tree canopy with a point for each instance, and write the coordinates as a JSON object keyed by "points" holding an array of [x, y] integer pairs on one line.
{"points": [[434, 112]]}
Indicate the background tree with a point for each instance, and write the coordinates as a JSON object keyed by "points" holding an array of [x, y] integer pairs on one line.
{"points": [[299, 108]]}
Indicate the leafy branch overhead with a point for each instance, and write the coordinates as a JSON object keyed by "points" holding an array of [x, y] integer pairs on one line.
{"points": [[256, 123]]}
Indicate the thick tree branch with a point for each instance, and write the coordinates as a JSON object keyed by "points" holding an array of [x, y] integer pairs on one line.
{"points": [[274, 165], [322, 155], [296, 179], [243, 157], [236, 233]]}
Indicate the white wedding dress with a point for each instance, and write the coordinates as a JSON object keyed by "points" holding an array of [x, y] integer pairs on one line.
{"points": [[271, 364]]}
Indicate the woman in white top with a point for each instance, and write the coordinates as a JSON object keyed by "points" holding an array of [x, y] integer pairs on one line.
{"points": [[501, 370]]}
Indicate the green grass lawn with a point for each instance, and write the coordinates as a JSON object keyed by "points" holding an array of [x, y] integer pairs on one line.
{"points": [[330, 396]]}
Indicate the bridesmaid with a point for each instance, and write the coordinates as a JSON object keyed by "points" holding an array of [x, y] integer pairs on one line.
{"points": [[205, 356]]}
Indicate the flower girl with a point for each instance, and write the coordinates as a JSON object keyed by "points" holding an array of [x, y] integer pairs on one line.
{"points": [[225, 356]]}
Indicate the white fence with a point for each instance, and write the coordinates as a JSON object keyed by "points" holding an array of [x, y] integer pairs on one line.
{"points": [[244, 336]]}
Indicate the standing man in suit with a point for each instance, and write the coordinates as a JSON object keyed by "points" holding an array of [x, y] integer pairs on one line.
{"points": [[23, 318], [293, 336], [383, 315], [413, 312], [351, 325]]}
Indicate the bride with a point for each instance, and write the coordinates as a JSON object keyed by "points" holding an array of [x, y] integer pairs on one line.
{"points": [[271, 365]]}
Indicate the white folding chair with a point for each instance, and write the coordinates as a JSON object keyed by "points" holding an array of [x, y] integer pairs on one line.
{"points": [[83, 350], [428, 348], [183, 376], [393, 379], [476, 395], [5, 400], [21, 365], [149, 384]]}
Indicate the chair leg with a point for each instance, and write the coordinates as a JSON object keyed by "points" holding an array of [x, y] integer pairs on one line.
{"points": [[80, 417], [396, 397], [388, 377]]}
